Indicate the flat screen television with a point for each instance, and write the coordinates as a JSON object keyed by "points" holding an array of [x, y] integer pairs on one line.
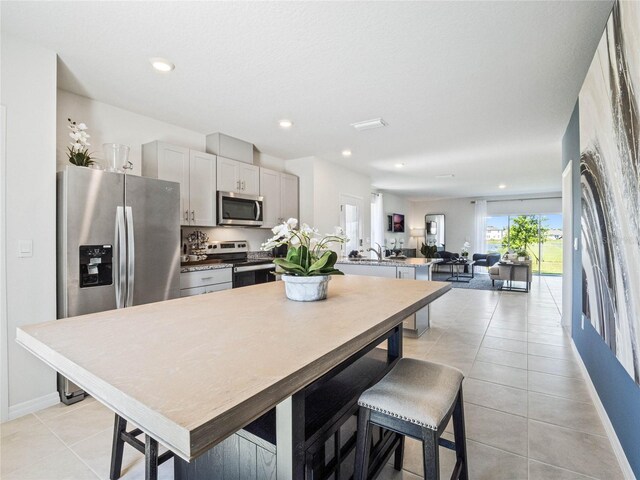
{"points": [[398, 223]]}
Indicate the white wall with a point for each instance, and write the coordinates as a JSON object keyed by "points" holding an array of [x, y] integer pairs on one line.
{"points": [[395, 204], [332, 180], [459, 217], [109, 124], [303, 169], [527, 206], [268, 161], [29, 95], [321, 184]]}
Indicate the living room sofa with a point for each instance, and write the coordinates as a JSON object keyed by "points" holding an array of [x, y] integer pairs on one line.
{"points": [[486, 259]]}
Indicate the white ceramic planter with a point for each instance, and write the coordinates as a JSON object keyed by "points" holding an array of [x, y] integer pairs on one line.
{"points": [[306, 289]]}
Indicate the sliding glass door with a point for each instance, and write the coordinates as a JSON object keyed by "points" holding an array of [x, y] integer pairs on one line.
{"points": [[540, 236]]}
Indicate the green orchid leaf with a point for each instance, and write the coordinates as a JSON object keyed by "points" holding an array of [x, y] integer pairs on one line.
{"points": [[289, 266], [305, 257], [321, 262]]}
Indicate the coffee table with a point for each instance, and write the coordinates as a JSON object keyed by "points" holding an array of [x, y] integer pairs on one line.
{"points": [[456, 274]]}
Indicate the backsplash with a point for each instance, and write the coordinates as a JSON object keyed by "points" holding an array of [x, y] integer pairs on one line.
{"points": [[255, 237]]}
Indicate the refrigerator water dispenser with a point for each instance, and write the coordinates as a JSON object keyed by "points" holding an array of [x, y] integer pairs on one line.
{"points": [[95, 265]]}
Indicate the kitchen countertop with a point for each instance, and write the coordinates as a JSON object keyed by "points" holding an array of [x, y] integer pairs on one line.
{"points": [[392, 262], [207, 365], [185, 267]]}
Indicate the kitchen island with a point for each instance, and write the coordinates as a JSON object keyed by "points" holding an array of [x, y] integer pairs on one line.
{"points": [[192, 372], [403, 268]]}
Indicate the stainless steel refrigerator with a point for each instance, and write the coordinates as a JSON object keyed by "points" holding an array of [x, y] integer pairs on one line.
{"points": [[118, 245]]}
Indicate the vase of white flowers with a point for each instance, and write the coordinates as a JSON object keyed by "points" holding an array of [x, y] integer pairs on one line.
{"points": [[465, 249], [78, 152], [309, 264]]}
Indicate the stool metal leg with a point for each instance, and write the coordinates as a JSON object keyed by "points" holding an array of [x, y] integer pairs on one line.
{"points": [[460, 437], [431, 456], [399, 455], [363, 444], [150, 458], [117, 447]]}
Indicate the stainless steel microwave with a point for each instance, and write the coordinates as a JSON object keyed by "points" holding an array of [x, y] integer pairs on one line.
{"points": [[240, 210]]}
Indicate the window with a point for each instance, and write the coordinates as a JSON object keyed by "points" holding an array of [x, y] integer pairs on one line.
{"points": [[539, 235]]}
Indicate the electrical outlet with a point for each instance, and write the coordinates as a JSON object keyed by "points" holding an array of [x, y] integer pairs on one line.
{"points": [[582, 322]]}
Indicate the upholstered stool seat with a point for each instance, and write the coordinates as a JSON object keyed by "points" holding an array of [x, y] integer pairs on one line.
{"points": [[416, 399], [411, 392]]}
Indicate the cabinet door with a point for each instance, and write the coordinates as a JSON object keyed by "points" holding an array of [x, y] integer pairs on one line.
{"points": [[367, 270], [173, 165], [270, 190], [249, 176], [202, 189], [407, 273], [227, 178], [289, 196]]}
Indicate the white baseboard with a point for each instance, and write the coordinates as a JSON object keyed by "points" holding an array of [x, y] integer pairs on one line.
{"points": [[611, 433], [34, 405]]}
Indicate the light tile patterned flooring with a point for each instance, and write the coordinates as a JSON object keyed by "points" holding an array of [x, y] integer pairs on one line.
{"points": [[528, 411]]}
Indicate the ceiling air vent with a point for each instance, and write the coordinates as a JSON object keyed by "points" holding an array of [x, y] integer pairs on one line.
{"points": [[369, 124]]}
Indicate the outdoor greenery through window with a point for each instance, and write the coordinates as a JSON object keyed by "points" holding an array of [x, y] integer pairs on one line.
{"points": [[539, 235]]}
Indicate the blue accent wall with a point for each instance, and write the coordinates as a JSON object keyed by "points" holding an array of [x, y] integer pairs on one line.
{"points": [[618, 392]]}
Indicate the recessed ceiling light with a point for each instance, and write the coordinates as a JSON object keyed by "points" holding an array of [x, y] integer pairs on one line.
{"points": [[162, 64], [368, 124], [399, 165], [346, 153], [285, 123], [502, 185], [446, 175]]}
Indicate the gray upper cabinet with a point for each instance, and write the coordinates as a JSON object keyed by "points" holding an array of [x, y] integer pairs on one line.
{"points": [[280, 192], [237, 177], [196, 173], [270, 187], [229, 147]]}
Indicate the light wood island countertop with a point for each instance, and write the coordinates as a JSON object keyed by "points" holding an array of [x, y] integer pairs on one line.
{"points": [[192, 371]]}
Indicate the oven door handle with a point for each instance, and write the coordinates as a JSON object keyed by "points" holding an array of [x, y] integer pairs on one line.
{"points": [[253, 268]]}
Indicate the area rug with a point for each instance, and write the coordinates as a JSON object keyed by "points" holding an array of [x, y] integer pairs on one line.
{"points": [[479, 282]]}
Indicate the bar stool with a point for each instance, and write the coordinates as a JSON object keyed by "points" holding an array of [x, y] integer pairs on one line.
{"points": [[416, 399], [149, 449]]}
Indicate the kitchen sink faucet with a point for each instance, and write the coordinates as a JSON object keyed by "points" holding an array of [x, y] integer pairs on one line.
{"points": [[378, 252]]}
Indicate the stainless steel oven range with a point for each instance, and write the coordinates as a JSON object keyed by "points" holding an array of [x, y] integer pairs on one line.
{"points": [[246, 271]]}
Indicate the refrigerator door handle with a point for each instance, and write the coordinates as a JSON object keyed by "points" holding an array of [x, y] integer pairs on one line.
{"points": [[131, 257], [120, 254]]}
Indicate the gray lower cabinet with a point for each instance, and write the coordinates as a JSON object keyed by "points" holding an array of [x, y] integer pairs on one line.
{"points": [[205, 281], [415, 324]]}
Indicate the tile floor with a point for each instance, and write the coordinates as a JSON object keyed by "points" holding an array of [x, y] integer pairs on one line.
{"points": [[528, 410]]}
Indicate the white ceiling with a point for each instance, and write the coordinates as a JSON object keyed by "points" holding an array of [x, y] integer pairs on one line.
{"points": [[483, 90]]}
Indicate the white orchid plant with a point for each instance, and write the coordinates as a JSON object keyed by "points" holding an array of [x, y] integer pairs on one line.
{"points": [[307, 250], [78, 152], [465, 249]]}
